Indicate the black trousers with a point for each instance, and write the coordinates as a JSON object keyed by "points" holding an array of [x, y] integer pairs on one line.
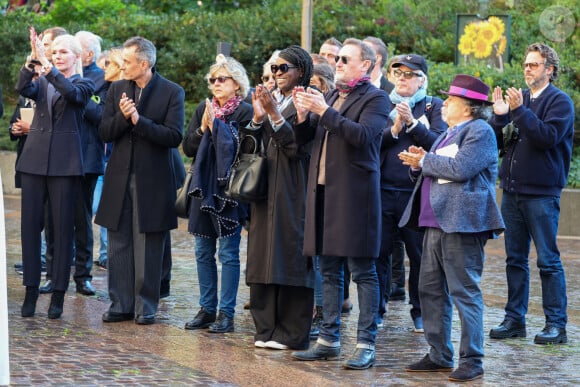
{"points": [[84, 228], [282, 313], [60, 193]]}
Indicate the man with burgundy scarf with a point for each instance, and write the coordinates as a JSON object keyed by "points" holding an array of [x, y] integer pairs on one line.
{"points": [[343, 203], [454, 202]]}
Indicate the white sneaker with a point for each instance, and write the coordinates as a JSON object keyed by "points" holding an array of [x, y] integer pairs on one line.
{"points": [[275, 345], [260, 344]]}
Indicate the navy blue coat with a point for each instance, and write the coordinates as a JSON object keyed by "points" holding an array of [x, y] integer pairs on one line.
{"points": [[53, 146], [352, 206], [145, 149], [93, 146]]}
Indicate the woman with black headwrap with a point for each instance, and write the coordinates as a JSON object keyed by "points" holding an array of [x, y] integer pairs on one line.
{"points": [[281, 279]]}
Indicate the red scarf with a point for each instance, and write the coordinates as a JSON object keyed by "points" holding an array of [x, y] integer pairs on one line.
{"points": [[352, 84], [221, 112]]}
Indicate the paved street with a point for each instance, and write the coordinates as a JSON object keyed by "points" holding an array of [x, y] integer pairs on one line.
{"points": [[80, 350]]}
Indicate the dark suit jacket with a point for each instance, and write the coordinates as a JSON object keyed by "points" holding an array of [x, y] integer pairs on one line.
{"points": [[53, 146], [21, 140], [386, 85], [145, 150], [93, 146], [352, 206]]}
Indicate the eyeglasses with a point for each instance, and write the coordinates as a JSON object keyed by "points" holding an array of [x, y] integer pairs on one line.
{"points": [[221, 79], [406, 74], [266, 78], [532, 65], [283, 68], [343, 59]]}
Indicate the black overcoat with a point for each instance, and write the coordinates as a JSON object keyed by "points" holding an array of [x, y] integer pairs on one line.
{"points": [[276, 232], [352, 204], [144, 148]]}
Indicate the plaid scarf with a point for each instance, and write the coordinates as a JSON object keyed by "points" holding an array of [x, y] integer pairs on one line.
{"points": [[349, 86], [221, 112]]}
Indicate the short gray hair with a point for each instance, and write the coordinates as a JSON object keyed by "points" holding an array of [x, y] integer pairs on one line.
{"points": [[144, 49], [92, 41]]}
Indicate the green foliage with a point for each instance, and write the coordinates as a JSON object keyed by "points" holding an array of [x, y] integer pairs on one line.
{"points": [[186, 34]]}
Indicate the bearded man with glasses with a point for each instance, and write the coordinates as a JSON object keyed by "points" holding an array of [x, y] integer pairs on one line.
{"points": [[415, 120], [532, 175]]}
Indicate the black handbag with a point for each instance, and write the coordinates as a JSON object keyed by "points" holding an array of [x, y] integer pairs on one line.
{"points": [[248, 180], [183, 200]]}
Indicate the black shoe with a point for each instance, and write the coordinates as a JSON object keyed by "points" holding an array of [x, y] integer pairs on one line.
{"points": [[222, 324], [29, 304], [317, 352], [361, 359], [18, 265], [86, 288], [397, 293], [551, 335], [466, 372], [48, 287], [145, 320], [508, 329], [201, 320], [164, 289], [426, 365], [247, 305], [56, 304], [112, 317]]}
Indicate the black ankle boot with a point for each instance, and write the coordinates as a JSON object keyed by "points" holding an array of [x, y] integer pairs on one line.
{"points": [[56, 303], [29, 305]]}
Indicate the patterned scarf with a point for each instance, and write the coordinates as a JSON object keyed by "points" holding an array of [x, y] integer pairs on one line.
{"points": [[412, 100], [221, 112], [349, 86]]}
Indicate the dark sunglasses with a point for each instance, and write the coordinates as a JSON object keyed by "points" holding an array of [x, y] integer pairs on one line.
{"points": [[283, 68], [266, 78], [343, 59], [406, 74], [218, 79]]}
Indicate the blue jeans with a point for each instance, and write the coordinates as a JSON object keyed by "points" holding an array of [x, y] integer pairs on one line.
{"points": [[530, 217], [317, 281], [229, 256], [451, 270], [364, 274]]}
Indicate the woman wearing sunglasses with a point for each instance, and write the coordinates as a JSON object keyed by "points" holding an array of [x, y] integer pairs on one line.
{"points": [[211, 140], [281, 279], [268, 79]]}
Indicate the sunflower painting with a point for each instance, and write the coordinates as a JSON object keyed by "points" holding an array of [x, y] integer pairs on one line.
{"points": [[482, 41]]}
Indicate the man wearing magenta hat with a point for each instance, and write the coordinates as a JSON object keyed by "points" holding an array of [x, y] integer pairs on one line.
{"points": [[454, 202]]}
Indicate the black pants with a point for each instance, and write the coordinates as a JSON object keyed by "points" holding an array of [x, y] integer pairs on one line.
{"points": [[282, 313]]}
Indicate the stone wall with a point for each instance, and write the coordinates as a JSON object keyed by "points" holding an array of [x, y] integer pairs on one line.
{"points": [[569, 203]]}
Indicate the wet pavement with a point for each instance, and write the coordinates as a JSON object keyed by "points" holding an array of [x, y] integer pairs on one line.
{"points": [[80, 350]]}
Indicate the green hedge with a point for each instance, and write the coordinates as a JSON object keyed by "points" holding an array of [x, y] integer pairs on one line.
{"points": [[187, 35]]}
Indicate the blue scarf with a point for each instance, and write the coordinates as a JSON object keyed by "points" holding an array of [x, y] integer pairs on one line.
{"points": [[412, 100]]}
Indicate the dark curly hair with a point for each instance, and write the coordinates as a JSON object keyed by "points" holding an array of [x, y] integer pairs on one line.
{"points": [[301, 58]]}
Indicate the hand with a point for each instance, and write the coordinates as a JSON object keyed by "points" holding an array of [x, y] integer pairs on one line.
{"points": [[127, 106], [268, 102], [20, 128], [301, 112], [514, 98], [259, 112], [404, 111], [500, 107], [397, 126], [209, 114], [311, 100], [413, 156]]}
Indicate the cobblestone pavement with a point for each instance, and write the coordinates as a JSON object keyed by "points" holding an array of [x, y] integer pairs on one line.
{"points": [[79, 350]]}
